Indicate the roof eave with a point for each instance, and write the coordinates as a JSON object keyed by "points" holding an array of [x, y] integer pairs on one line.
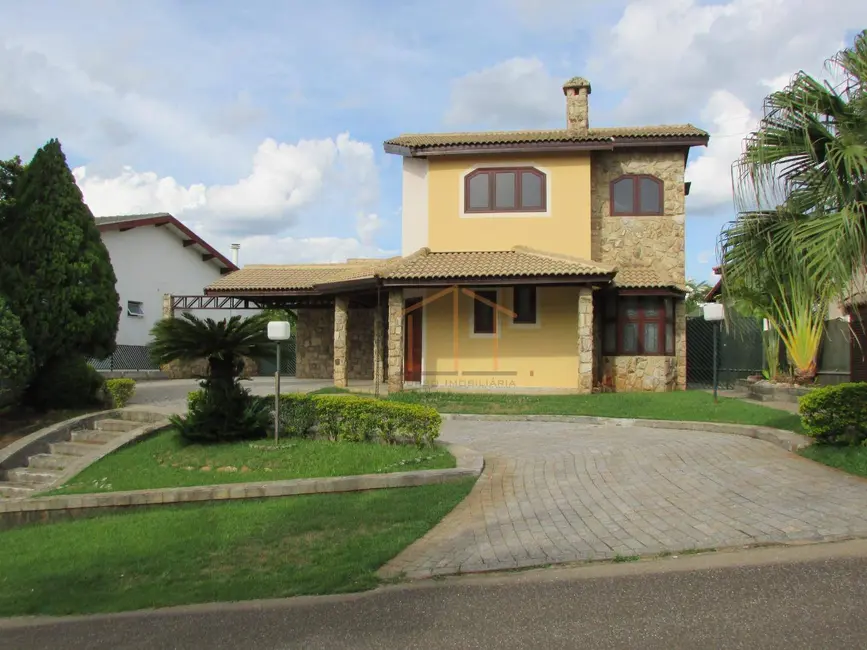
{"points": [[500, 280], [606, 144]]}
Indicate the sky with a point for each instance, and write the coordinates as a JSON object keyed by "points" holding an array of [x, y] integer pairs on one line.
{"points": [[262, 122]]}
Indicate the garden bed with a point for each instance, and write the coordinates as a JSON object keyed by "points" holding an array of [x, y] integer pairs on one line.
{"points": [[185, 554], [165, 460]]}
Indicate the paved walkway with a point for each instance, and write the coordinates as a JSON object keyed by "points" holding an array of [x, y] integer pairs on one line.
{"points": [[557, 492]]}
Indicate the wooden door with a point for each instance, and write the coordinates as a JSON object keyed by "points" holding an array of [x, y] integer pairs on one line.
{"points": [[412, 329]]}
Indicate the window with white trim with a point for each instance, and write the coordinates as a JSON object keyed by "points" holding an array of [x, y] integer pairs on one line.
{"points": [[135, 309]]}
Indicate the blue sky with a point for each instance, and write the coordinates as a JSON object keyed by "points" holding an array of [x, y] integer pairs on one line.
{"points": [[262, 122]]}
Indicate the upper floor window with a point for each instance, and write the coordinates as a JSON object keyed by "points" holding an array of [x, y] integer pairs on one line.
{"points": [[505, 189], [638, 194]]}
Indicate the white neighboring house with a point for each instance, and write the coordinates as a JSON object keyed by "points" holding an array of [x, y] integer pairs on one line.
{"points": [[152, 255]]}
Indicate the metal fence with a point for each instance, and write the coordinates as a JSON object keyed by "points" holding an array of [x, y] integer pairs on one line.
{"points": [[268, 366], [137, 357], [740, 352], [126, 357]]}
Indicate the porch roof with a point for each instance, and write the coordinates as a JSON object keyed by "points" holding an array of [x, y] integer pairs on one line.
{"points": [[520, 264], [646, 278]]}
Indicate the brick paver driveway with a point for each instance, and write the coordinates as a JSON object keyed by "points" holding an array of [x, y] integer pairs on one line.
{"points": [[557, 492]]}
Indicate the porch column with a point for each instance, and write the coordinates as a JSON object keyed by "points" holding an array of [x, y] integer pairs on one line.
{"points": [[341, 341], [395, 340], [585, 340], [680, 343], [168, 312], [377, 349]]}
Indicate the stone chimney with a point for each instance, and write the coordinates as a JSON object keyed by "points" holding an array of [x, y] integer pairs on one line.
{"points": [[577, 91]]}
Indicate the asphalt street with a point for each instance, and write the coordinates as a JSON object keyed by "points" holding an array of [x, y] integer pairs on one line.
{"points": [[802, 597]]}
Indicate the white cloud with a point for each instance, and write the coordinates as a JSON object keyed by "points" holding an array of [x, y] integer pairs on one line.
{"points": [[711, 172], [262, 249], [285, 180], [670, 55], [517, 93]]}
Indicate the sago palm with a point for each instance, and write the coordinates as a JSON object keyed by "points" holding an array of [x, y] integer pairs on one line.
{"points": [[223, 343]]}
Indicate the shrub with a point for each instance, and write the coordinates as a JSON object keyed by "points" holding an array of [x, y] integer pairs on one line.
{"points": [[836, 414], [349, 418], [120, 391], [66, 382], [221, 413], [16, 360], [297, 415]]}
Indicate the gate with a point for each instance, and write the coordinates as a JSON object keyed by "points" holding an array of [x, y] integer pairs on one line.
{"points": [[739, 351]]}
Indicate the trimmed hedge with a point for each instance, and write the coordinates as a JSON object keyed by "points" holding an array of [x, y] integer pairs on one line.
{"points": [[120, 391], [836, 414], [352, 418]]}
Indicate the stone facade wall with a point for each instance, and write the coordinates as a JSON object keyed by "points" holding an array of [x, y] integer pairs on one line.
{"points": [[654, 374], [639, 241], [314, 346], [361, 328]]}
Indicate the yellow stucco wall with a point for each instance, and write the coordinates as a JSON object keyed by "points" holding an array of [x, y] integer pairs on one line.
{"points": [[564, 228], [541, 356]]}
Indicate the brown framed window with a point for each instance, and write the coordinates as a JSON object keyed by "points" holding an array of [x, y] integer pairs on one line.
{"points": [[484, 315], [505, 189], [637, 194], [638, 325], [524, 305]]}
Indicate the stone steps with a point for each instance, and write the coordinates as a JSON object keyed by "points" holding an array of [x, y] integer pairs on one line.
{"points": [[45, 468]]}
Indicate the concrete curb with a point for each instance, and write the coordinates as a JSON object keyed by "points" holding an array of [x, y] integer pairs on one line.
{"points": [[786, 439], [13, 513]]}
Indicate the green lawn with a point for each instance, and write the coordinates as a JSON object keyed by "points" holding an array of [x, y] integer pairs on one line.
{"points": [[165, 460], [849, 459], [679, 405], [318, 544]]}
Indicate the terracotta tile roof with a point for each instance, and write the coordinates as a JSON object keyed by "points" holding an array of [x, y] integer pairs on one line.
{"points": [[268, 277], [421, 265], [644, 278], [418, 140], [518, 262]]}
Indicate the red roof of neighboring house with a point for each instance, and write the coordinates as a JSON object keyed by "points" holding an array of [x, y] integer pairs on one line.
{"points": [[165, 220]]}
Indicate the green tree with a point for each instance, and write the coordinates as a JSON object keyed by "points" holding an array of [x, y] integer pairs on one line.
{"points": [[801, 189], [55, 270], [16, 362], [10, 172], [695, 295]]}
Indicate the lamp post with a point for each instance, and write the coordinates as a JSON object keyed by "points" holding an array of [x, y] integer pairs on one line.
{"points": [[278, 331], [714, 312]]}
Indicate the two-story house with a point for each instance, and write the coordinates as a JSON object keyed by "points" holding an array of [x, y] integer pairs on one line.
{"points": [[531, 260]]}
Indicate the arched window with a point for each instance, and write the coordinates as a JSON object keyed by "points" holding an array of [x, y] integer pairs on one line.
{"points": [[637, 194], [505, 189]]}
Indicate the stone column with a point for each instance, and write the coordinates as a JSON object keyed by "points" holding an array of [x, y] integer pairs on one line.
{"points": [[395, 340], [341, 340], [585, 340], [680, 343], [377, 348], [168, 312]]}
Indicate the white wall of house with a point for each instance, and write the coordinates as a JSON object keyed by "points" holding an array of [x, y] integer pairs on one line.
{"points": [[148, 263]]}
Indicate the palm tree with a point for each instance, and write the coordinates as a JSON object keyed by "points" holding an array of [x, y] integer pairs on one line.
{"points": [[223, 343], [801, 190]]}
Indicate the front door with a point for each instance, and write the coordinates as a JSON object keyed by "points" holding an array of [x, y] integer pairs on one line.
{"points": [[412, 341]]}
